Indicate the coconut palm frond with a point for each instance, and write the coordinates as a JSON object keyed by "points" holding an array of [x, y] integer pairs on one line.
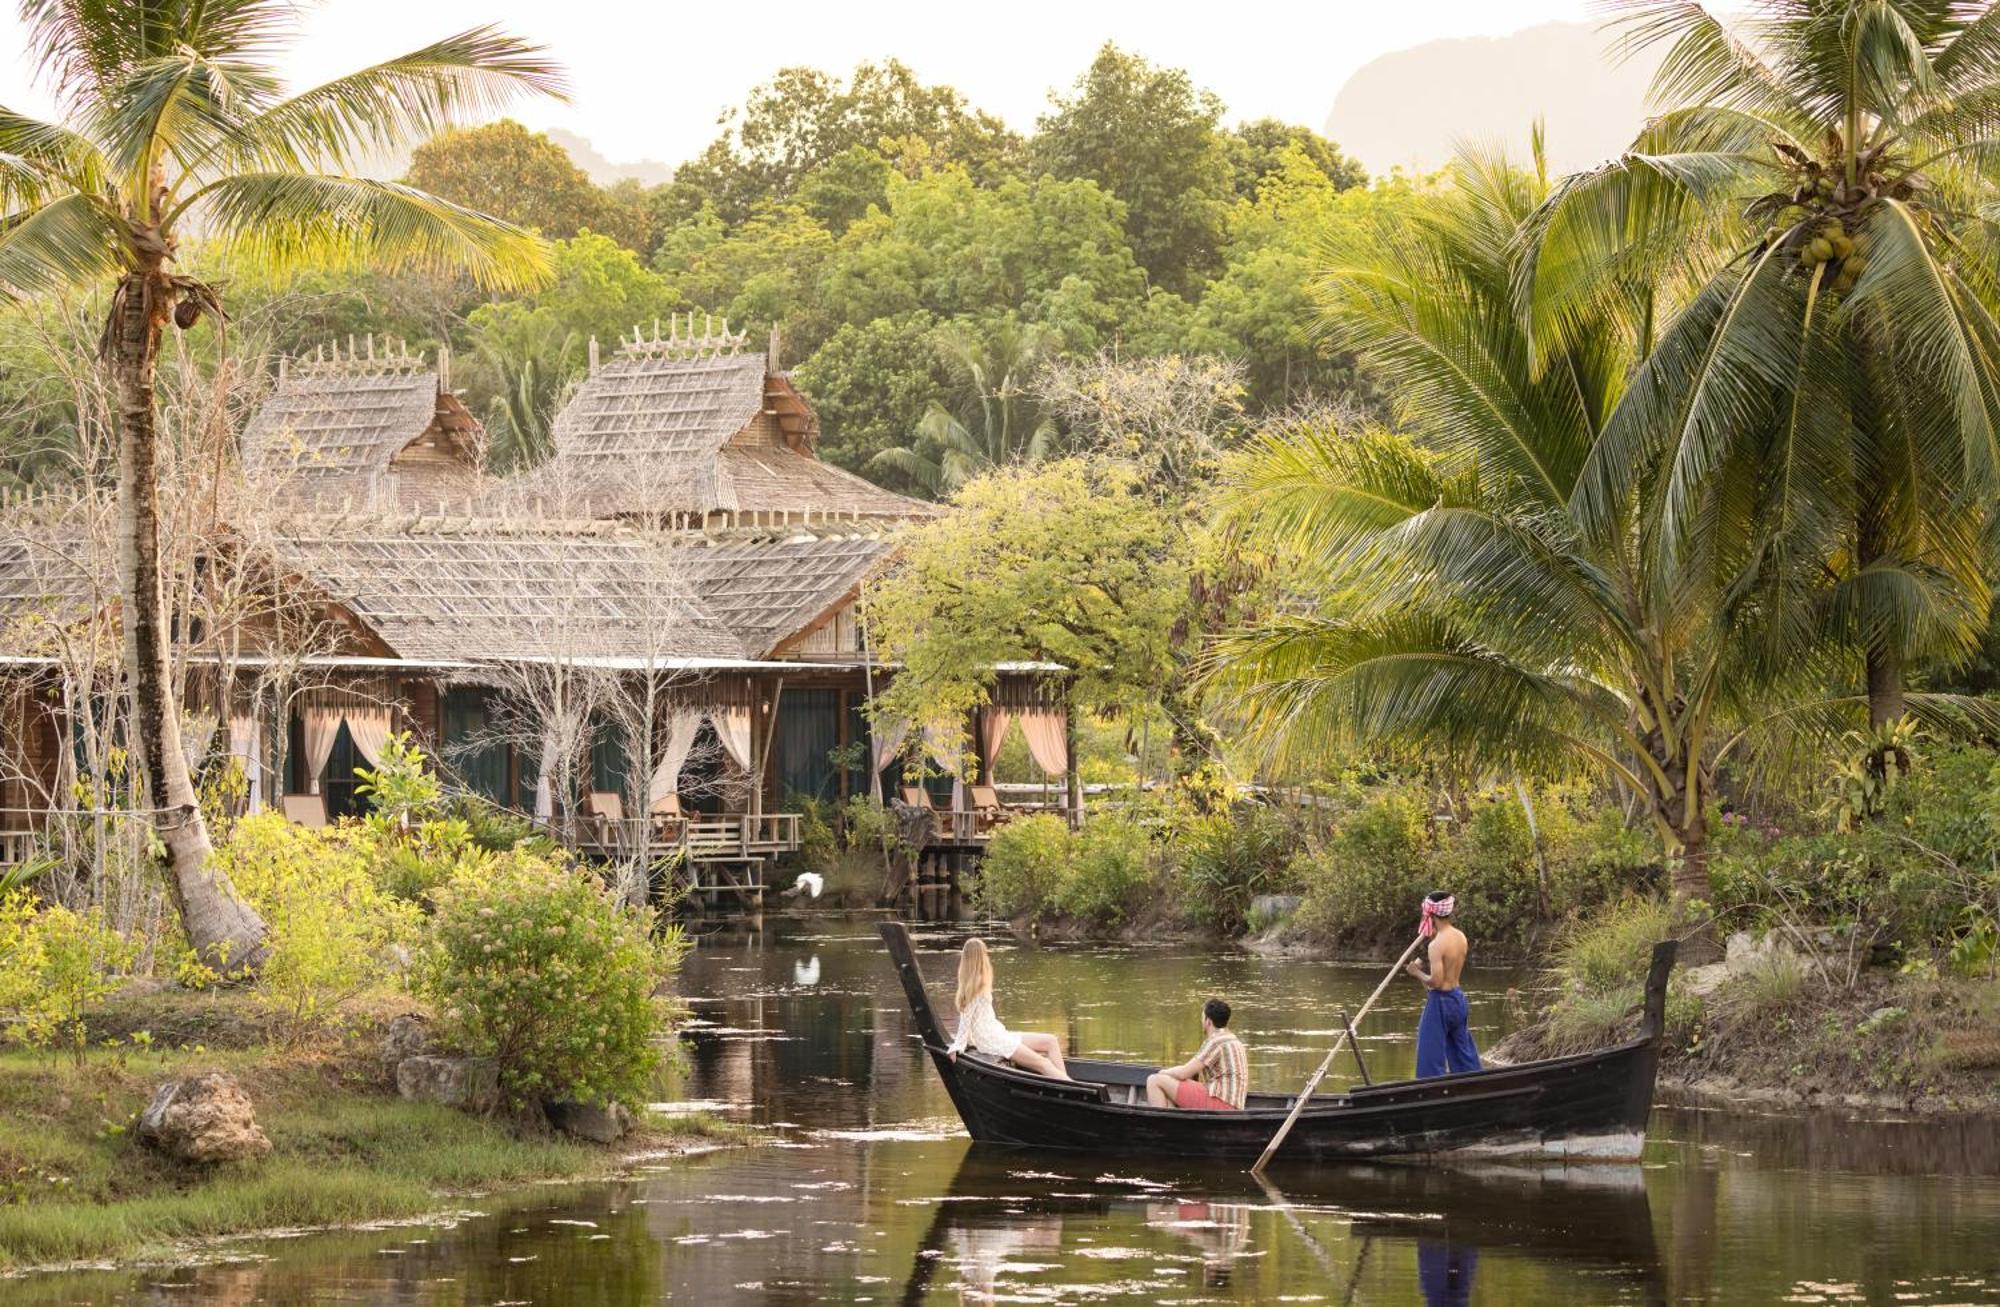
{"points": [[287, 220], [411, 97], [63, 244]]}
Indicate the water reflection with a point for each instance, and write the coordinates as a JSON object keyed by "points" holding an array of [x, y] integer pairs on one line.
{"points": [[1075, 1231], [874, 1196]]}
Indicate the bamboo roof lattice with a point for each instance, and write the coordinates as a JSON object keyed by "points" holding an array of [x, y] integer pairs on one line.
{"points": [[493, 592], [768, 590], [664, 397]]}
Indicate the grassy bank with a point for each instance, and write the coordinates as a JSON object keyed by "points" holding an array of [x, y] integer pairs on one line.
{"points": [[76, 1186]]}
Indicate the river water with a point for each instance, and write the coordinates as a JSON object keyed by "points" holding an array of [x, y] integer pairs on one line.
{"points": [[873, 1195]]}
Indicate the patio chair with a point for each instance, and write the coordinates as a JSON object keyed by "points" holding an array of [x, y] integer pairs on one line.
{"points": [[919, 798], [306, 809], [606, 810], [987, 810], [669, 822]]}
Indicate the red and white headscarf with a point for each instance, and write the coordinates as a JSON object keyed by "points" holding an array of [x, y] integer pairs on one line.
{"points": [[1435, 908]]}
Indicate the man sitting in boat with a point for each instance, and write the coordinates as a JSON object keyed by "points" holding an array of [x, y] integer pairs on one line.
{"points": [[1444, 1043], [1215, 1079], [978, 1027]]}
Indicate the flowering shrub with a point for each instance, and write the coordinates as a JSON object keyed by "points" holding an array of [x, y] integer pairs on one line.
{"points": [[538, 967], [334, 930], [54, 964]]}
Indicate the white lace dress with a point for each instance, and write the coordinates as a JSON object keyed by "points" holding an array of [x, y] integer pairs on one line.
{"points": [[978, 1027]]}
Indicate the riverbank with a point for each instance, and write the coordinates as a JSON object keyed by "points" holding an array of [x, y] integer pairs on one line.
{"points": [[77, 1186]]}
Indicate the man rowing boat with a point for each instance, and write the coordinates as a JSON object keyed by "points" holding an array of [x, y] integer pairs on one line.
{"points": [[1444, 1043]]}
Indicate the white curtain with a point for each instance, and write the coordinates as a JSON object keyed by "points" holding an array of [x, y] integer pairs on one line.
{"points": [[245, 738], [682, 728], [941, 745], [544, 776], [887, 736], [1047, 741], [369, 726], [732, 727], [320, 719]]}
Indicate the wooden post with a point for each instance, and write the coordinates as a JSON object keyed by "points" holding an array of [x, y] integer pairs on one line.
{"points": [[1075, 779]]}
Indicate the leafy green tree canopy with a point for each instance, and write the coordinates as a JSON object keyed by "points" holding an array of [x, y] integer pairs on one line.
{"points": [[524, 178], [1150, 137], [804, 117]]}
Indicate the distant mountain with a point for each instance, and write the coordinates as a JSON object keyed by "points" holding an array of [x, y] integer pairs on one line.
{"points": [[1408, 108], [650, 172]]}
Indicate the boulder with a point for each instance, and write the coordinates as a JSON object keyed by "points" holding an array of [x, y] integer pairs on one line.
{"points": [[471, 1083], [405, 1036], [204, 1119], [1704, 981], [600, 1125], [1273, 907]]}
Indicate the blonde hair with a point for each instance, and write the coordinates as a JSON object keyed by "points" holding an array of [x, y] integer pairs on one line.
{"points": [[975, 972]]}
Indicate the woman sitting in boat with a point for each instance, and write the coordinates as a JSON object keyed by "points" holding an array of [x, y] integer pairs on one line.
{"points": [[980, 1029]]}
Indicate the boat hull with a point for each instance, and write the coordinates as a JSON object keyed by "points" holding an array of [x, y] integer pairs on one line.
{"points": [[1588, 1107]]}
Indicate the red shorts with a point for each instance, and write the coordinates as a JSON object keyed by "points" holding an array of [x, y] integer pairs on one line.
{"points": [[1194, 1096]]}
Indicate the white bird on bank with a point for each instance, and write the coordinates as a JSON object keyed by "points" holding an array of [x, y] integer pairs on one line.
{"points": [[809, 883]]}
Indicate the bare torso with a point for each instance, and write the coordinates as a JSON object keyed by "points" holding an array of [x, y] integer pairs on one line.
{"points": [[1447, 956]]}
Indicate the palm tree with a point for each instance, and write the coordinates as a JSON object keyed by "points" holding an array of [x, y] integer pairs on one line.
{"points": [[997, 420], [1450, 598], [1828, 177], [173, 123]]}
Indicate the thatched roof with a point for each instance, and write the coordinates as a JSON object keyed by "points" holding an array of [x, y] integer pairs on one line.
{"points": [[50, 577], [691, 424], [495, 591], [376, 432], [768, 590]]}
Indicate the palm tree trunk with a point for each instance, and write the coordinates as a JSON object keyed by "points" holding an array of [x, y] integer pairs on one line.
{"points": [[221, 927], [1885, 685]]}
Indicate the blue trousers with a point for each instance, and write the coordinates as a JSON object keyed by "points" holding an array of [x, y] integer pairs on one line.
{"points": [[1443, 1042]]}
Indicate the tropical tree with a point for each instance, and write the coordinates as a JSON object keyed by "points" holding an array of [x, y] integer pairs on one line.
{"points": [[996, 420], [1827, 173], [174, 123], [1451, 599]]}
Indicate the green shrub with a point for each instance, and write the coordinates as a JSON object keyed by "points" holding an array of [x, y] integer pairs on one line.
{"points": [[1613, 948], [1106, 874], [400, 789], [54, 964], [818, 844], [1767, 985], [1367, 879], [1024, 866], [539, 968], [1364, 885], [1225, 860], [335, 931]]}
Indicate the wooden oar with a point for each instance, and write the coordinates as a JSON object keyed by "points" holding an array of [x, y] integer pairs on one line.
{"points": [[1305, 1095]]}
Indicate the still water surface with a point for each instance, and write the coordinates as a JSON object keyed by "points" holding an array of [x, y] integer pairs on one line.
{"points": [[874, 1195]]}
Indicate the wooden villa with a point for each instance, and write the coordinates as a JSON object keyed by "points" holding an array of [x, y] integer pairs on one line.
{"points": [[684, 549]]}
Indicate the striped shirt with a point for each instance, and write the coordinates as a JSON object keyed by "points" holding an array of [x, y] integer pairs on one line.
{"points": [[1225, 1068]]}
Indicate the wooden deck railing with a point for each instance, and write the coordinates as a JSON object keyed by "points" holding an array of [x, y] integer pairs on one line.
{"points": [[735, 837]]}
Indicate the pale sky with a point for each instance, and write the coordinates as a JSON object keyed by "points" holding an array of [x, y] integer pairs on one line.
{"points": [[649, 80]]}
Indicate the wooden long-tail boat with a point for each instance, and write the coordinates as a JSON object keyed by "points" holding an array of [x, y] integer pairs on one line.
{"points": [[1589, 1106]]}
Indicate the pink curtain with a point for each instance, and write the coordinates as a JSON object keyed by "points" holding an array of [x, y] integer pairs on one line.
{"points": [[320, 718], [887, 736], [1047, 742], [993, 724], [245, 735], [682, 728]]}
